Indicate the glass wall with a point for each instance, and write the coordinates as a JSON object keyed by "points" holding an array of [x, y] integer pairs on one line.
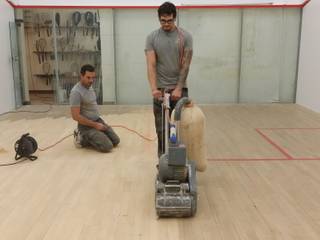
{"points": [[58, 43], [240, 55]]}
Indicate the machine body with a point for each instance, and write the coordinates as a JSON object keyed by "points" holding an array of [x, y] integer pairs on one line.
{"points": [[176, 187]]}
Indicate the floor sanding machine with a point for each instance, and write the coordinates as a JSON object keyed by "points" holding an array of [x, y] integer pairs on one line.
{"points": [[176, 186]]}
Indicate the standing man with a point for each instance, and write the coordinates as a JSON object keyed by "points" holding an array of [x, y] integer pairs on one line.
{"points": [[168, 52], [92, 130]]}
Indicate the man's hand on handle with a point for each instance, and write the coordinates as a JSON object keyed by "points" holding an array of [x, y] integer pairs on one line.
{"points": [[156, 94], [176, 94], [100, 126]]}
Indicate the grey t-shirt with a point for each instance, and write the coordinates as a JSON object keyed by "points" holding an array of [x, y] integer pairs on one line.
{"points": [[167, 46], [86, 99]]}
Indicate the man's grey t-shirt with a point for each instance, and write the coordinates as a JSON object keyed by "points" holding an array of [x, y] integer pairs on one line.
{"points": [[86, 99], [167, 46]]}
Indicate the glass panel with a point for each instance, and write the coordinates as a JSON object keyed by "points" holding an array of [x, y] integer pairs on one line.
{"points": [[214, 71], [61, 41], [269, 55], [15, 65], [130, 36]]}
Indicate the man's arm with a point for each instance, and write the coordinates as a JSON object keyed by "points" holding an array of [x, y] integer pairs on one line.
{"points": [[75, 113], [185, 65], [152, 76]]}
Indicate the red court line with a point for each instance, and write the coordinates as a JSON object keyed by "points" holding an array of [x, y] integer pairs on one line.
{"points": [[260, 159], [308, 129], [182, 7], [269, 140], [307, 158], [279, 148], [274, 129], [246, 159]]}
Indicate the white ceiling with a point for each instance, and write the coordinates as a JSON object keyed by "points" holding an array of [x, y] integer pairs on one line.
{"points": [[148, 2]]}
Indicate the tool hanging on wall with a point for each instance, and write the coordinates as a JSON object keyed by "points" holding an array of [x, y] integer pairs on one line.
{"points": [[76, 19], [62, 45], [68, 31], [70, 78], [99, 44], [36, 23], [42, 47], [97, 22], [57, 19], [52, 46], [38, 51], [46, 67], [89, 18], [46, 21]]}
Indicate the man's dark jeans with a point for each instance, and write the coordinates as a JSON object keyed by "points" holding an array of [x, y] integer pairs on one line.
{"points": [[159, 122]]}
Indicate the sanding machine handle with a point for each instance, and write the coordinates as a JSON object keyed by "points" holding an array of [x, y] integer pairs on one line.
{"points": [[177, 114]]}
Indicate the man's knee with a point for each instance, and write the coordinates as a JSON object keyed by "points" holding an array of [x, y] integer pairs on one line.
{"points": [[99, 141], [116, 141], [112, 136], [104, 146]]}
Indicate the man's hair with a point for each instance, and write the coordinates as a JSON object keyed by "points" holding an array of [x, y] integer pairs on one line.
{"points": [[167, 8], [86, 68]]}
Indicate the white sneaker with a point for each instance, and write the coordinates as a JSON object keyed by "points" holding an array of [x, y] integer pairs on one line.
{"points": [[77, 138]]}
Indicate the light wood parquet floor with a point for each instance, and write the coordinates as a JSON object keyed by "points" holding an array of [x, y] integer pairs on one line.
{"points": [[262, 180]]}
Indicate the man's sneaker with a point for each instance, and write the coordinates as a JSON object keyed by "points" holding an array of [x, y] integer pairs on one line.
{"points": [[77, 138]]}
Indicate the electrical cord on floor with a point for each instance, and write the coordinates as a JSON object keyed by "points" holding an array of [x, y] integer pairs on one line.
{"points": [[69, 135], [51, 146], [134, 131], [25, 111], [114, 126], [13, 163]]}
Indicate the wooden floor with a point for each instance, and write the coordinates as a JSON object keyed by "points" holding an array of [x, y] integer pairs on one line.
{"points": [[262, 180]]}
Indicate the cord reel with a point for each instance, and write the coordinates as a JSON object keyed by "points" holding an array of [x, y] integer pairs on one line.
{"points": [[25, 147]]}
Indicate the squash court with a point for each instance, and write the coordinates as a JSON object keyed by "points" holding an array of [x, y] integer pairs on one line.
{"points": [[261, 181]]}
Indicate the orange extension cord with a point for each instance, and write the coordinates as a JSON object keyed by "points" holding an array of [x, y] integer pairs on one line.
{"points": [[64, 138], [114, 126]]}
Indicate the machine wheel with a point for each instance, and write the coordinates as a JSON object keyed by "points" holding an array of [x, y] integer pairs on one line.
{"points": [[194, 205]]}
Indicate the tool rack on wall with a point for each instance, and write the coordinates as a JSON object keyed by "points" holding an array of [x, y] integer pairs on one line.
{"points": [[59, 43]]}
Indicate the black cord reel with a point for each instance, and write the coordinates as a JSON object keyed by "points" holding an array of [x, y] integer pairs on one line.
{"points": [[25, 147]]}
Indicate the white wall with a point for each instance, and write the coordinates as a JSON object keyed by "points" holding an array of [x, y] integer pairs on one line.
{"points": [[308, 87], [7, 101]]}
